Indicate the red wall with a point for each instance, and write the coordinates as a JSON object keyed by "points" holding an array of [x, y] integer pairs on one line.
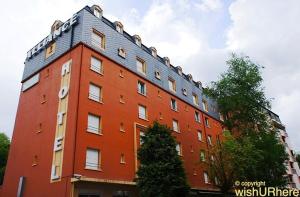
{"points": [[26, 142], [113, 142]]}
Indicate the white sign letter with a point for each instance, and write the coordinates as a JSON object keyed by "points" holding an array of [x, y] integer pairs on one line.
{"points": [[60, 118], [63, 92]]}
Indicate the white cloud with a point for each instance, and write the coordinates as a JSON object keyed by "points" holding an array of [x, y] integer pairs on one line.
{"points": [[269, 33], [209, 5]]}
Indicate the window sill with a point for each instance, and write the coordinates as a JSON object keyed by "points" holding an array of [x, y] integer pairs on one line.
{"points": [[122, 102], [42, 102], [176, 131], [123, 131], [175, 110], [91, 132], [33, 165], [122, 76], [99, 170], [39, 131], [99, 73], [123, 163], [144, 119], [97, 101], [142, 94]]}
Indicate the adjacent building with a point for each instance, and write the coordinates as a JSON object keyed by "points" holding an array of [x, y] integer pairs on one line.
{"points": [[89, 90]]}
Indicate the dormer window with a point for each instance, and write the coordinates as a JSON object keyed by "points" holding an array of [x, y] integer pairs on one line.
{"points": [[97, 11], [137, 40], [179, 70], [190, 77], [157, 74], [199, 84], [184, 91], [153, 51], [119, 27], [122, 52], [167, 61]]}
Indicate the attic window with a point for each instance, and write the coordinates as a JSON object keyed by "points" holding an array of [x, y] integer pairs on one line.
{"points": [[157, 74], [137, 40], [119, 27], [153, 51], [97, 12], [167, 61], [184, 91], [121, 52], [179, 70]]}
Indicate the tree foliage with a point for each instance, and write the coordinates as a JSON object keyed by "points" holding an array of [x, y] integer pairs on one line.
{"points": [[4, 148], [253, 153], [161, 171], [240, 95]]}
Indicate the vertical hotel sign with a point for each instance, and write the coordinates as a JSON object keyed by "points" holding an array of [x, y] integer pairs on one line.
{"points": [[56, 170]]}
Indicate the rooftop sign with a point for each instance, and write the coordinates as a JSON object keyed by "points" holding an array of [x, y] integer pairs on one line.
{"points": [[53, 36]]}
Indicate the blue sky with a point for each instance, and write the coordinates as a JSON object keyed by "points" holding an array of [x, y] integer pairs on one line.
{"points": [[197, 35]]}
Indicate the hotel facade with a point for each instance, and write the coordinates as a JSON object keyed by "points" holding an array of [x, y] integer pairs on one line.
{"points": [[89, 91]]}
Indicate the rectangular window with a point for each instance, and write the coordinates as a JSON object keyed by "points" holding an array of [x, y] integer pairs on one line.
{"points": [[209, 139], [96, 65], [206, 122], [141, 88], [142, 112], [94, 125], [173, 104], [202, 155], [204, 105], [98, 39], [176, 126], [197, 116], [142, 134], [195, 99], [141, 66], [172, 85], [92, 159], [95, 93], [179, 149], [206, 179], [199, 135]]}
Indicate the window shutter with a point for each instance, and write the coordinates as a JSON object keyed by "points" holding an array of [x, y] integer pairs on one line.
{"points": [[92, 159]]}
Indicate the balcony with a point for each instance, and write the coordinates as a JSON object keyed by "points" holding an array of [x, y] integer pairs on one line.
{"points": [[277, 123]]}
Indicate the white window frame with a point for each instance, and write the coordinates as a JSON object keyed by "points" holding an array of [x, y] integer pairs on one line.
{"points": [[94, 128], [206, 122], [200, 135], [98, 39], [209, 139], [92, 159], [206, 178], [195, 99], [172, 85], [179, 149], [95, 92], [173, 101], [140, 114], [143, 89], [205, 105], [175, 126], [197, 117], [141, 66], [96, 65]]}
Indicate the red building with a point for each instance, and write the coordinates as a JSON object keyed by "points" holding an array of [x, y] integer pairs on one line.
{"points": [[88, 94]]}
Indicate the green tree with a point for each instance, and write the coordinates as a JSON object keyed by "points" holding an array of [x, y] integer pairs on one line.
{"points": [[161, 172], [256, 152], [4, 148], [240, 95], [231, 160]]}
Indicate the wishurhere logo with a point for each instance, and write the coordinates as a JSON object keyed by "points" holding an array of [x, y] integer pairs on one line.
{"points": [[266, 191]]}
